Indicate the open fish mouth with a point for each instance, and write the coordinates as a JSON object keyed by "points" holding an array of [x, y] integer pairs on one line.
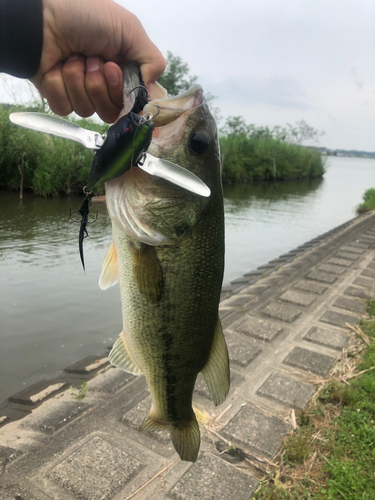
{"points": [[171, 114]]}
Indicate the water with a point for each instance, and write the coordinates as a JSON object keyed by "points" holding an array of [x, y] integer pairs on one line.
{"points": [[52, 314]]}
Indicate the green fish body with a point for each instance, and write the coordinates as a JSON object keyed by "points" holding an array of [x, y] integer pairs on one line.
{"points": [[168, 256]]}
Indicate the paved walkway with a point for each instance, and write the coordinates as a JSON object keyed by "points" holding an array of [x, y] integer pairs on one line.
{"points": [[284, 324]]}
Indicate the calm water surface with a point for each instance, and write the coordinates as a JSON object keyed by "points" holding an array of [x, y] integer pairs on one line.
{"points": [[52, 314]]}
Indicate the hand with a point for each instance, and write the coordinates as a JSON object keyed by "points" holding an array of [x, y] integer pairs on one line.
{"points": [[85, 44]]}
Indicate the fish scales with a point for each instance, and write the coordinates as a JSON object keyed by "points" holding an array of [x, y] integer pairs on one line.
{"points": [[168, 251]]}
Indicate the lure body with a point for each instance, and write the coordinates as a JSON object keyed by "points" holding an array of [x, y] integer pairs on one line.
{"points": [[126, 142]]}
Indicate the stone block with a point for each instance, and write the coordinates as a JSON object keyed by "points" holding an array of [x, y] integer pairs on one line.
{"points": [[352, 249], [202, 389], [338, 319], [329, 338], [242, 351], [340, 262], [311, 361], [298, 298], [38, 392], [369, 273], [256, 289], [371, 265], [322, 277], [110, 381], [55, 417], [88, 365], [350, 305], [360, 244], [287, 390], [360, 293], [311, 286], [331, 268], [347, 255], [210, 478], [7, 455], [238, 300], [365, 282], [256, 431], [282, 312], [258, 328], [96, 471]]}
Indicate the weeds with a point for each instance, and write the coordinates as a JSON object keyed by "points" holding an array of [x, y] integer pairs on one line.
{"points": [[81, 391]]}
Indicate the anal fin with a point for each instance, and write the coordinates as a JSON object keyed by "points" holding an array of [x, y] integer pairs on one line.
{"points": [[216, 371], [120, 356]]}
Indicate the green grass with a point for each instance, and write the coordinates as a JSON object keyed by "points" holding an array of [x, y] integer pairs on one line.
{"points": [[368, 201], [344, 455]]}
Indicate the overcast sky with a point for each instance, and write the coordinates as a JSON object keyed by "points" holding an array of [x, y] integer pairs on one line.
{"points": [[278, 61]]}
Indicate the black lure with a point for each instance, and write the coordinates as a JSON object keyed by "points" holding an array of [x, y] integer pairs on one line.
{"points": [[84, 213]]}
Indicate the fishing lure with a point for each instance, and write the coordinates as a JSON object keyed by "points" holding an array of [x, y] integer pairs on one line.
{"points": [[125, 145]]}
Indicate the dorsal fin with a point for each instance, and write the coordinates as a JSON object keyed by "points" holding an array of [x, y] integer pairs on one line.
{"points": [[110, 270]]}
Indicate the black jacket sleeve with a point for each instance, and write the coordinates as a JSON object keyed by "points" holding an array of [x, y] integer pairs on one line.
{"points": [[21, 36]]}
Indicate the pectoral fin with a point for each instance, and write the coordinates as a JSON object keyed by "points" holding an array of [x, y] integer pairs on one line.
{"points": [[148, 273], [216, 370], [121, 357], [110, 269]]}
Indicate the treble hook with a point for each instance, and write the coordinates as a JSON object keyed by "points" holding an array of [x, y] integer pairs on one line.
{"points": [[84, 221], [140, 87]]}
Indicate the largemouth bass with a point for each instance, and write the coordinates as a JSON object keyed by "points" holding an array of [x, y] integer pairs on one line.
{"points": [[168, 256]]}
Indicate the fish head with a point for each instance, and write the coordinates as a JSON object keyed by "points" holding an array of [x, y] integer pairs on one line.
{"points": [[186, 134]]}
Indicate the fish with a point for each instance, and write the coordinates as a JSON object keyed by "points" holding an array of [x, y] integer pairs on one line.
{"points": [[167, 255]]}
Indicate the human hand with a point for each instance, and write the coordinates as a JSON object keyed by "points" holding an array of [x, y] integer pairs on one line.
{"points": [[85, 44]]}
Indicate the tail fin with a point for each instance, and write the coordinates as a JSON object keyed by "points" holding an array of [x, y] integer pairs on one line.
{"points": [[185, 437]]}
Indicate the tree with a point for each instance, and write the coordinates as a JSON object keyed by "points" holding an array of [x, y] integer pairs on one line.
{"points": [[297, 135], [176, 77]]}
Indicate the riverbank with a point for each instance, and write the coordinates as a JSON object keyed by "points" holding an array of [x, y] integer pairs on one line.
{"points": [[285, 325]]}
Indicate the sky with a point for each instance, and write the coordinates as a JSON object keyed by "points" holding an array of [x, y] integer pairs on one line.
{"points": [[276, 62]]}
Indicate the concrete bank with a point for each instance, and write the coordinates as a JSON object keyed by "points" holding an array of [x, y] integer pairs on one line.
{"points": [[285, 325]]}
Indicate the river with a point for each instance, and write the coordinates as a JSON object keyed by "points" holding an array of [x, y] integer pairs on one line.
{"points": [[52, 313]]}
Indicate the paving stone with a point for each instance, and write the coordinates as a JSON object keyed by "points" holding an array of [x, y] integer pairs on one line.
{"points": [[238, 300], [350, 305], [88, 365], [287, 390], [55, 417], [360, 244], [110, 381], [311, 286], [24, 490], [96, 471], [340, 262], [257, 327], [242, 352], [202, 389], [352, 249], [331, 268], [322, 277], [347, 255], [371, 265], [273, 280], [7, 455], [329, 338], [295, 297], [210, 478], [255, 430], [360, 293], [38, 392], [365, 282], [256, 290], [338, 319], [311, 361], [369, 273], [138, 413], [282, 312], [368, 236]]}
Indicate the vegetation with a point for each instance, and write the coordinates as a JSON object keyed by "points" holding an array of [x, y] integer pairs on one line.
{"points": [[331, 453], [82, 389], [253, 153], [368, 201], [49, 165]]}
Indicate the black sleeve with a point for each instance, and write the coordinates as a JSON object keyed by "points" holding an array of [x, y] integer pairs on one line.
{"points": [[21, 36]]}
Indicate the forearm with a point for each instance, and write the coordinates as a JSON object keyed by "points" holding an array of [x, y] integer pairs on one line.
{"points": [[21, 37]]}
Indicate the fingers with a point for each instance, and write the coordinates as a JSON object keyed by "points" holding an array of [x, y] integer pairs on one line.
{"points": [[86, 86]]}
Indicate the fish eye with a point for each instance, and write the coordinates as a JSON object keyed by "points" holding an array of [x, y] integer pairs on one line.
{"points": [[198, 142]]}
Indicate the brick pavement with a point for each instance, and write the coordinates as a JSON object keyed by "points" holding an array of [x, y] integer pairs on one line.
{"points": [[285, 326]]}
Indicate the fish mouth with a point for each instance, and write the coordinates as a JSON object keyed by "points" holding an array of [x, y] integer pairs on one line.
{"points": [[171, 114]]}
